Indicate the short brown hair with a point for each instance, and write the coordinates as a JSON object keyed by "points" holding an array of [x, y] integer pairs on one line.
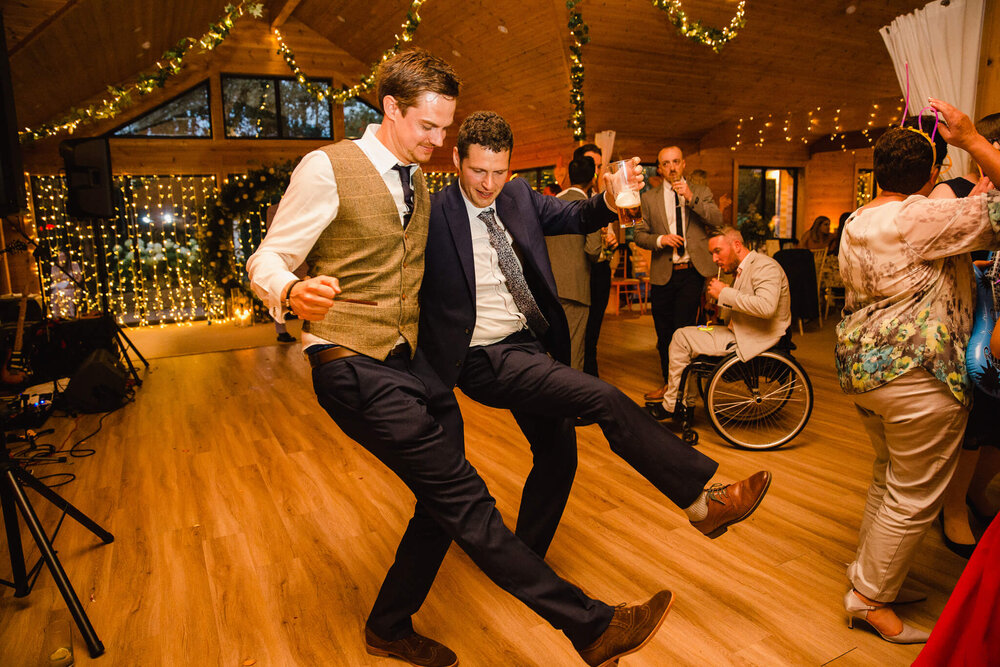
{"points": [[486, 129], [989, 127], [902, 160], [408, 74]]}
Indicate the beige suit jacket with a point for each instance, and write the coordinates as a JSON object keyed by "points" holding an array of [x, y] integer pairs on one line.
{"points": [[760, 305], [571, 256], [703, 217]]}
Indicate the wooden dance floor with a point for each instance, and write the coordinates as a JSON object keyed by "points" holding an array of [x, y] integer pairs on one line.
{"points": [[249, 530]]}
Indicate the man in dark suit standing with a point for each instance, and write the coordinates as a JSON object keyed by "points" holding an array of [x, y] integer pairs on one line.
{"points": [[490, 318], [677, 220]]}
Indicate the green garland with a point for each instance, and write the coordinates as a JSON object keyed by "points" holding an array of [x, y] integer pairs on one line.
{"points": [[238, 199], [169, 64], [714, 38], [581, 35], [345, 93]]}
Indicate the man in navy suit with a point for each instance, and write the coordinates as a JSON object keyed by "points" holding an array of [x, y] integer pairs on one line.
{"points": [[490, 319]]}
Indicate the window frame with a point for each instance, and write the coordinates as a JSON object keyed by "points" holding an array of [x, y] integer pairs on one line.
{"points": [[278, 115], [111, 134]]}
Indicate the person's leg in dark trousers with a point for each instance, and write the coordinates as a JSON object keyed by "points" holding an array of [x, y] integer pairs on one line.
{"points": [[674, 305], [547, 487], [520, 376], [600, 290], [400, 412]]}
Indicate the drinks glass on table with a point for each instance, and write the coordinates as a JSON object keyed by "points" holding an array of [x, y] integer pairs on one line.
{"points": [[626, 197]]}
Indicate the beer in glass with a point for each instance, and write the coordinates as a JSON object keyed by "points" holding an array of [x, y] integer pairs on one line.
{"points": [[626, 198]]}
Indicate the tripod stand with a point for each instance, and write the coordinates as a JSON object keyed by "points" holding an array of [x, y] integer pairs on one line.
{"points": [[13, 479]]}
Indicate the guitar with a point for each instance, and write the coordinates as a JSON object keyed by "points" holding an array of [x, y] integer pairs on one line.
{"points": [[983, 367], [15, 369]]}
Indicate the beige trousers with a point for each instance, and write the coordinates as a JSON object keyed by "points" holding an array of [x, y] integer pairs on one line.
{"points": [[916, 427], [576, 316], [686, 344]]}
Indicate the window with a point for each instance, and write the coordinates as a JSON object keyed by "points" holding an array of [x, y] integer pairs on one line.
{"points": [[867, 188], [537, 178], [358, 115], [185, 116], [770, 193], [273, 108]]}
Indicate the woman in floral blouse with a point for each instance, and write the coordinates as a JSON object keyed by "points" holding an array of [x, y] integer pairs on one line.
{"points": [[901, 349]]}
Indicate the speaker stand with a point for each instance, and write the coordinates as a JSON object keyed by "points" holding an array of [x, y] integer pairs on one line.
{"points": [[13, 478], [103, 287]]}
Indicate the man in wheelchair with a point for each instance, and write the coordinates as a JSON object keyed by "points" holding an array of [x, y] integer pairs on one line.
{"points": [[756, 306]]}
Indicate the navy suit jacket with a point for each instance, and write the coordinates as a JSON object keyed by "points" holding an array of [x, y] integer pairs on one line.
{"points": [[448, 294]]}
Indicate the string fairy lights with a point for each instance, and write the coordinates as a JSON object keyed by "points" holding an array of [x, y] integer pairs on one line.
{"points": [[815, 124], [580, 33], [170, 63], [323, 92], [714, 38]]}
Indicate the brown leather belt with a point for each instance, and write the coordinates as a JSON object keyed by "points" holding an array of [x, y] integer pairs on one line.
{"points": [[328, 354], [682, 265]]}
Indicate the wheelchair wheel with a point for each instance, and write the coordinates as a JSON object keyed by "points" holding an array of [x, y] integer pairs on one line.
{"points": [[760, 404]]}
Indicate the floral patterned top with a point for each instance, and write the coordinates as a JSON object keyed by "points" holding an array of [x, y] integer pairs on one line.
{"points": [[910, 292]]}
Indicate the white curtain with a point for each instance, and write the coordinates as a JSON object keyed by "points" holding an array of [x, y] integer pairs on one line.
{"points": [[941, 44]]}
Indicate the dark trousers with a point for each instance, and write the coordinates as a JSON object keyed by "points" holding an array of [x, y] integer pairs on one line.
{"points": [[674, 305], [600, 290], [546, 395], [400, 411]]}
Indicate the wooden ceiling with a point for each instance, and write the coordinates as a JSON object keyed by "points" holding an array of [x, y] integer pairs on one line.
{"points": [[643, 79]]}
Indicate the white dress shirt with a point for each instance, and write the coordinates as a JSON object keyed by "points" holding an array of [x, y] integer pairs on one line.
{"points": [[310, 204], [669, 199], [496, 314]]}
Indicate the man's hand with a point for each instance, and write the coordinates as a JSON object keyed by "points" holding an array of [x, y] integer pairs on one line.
{"points": [[610, 238], [672, 240], [682, 188], [312, 298], [715, 287]]}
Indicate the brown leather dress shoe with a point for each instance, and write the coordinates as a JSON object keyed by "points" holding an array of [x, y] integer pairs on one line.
{"points": [[415, 649], [731, 503], [656, 395], [630, 629]]}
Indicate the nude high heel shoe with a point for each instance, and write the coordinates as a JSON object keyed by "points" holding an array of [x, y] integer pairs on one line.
{"points": [[857, 609]]}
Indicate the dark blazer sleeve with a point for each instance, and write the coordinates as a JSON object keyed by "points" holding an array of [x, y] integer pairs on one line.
{"points": [[558, 216]]}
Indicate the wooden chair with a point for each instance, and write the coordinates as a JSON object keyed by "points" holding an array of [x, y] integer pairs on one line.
{"points": [[832, 283], [641, 261], [625, 283]]}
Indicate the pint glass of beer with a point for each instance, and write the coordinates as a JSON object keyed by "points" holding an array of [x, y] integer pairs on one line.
{"points": [[626, 198]]}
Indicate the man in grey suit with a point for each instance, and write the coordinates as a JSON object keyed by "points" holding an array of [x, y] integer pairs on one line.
{"points": [[571, 256], [757, 306], [677, 219]]}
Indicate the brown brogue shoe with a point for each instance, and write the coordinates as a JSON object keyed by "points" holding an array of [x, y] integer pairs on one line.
{"points": [[731, 503], [656, 395], [415, 649], [630, 629]]}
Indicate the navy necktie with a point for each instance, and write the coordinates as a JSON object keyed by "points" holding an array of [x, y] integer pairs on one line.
{"points": [[404, 179], [512, 273]]}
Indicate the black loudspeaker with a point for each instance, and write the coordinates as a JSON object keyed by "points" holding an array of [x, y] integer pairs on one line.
{"points": [[88, 178], [99, 385], [12, 198]]}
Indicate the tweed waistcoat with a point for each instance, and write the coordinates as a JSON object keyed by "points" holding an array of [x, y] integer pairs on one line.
{"points": [[366, 248]]}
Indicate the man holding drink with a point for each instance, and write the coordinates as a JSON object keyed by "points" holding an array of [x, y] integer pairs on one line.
{"points": [[490, 319], [677, 220]]}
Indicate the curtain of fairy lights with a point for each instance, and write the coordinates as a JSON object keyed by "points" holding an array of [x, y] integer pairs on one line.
{"points": [[153, 249]]}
